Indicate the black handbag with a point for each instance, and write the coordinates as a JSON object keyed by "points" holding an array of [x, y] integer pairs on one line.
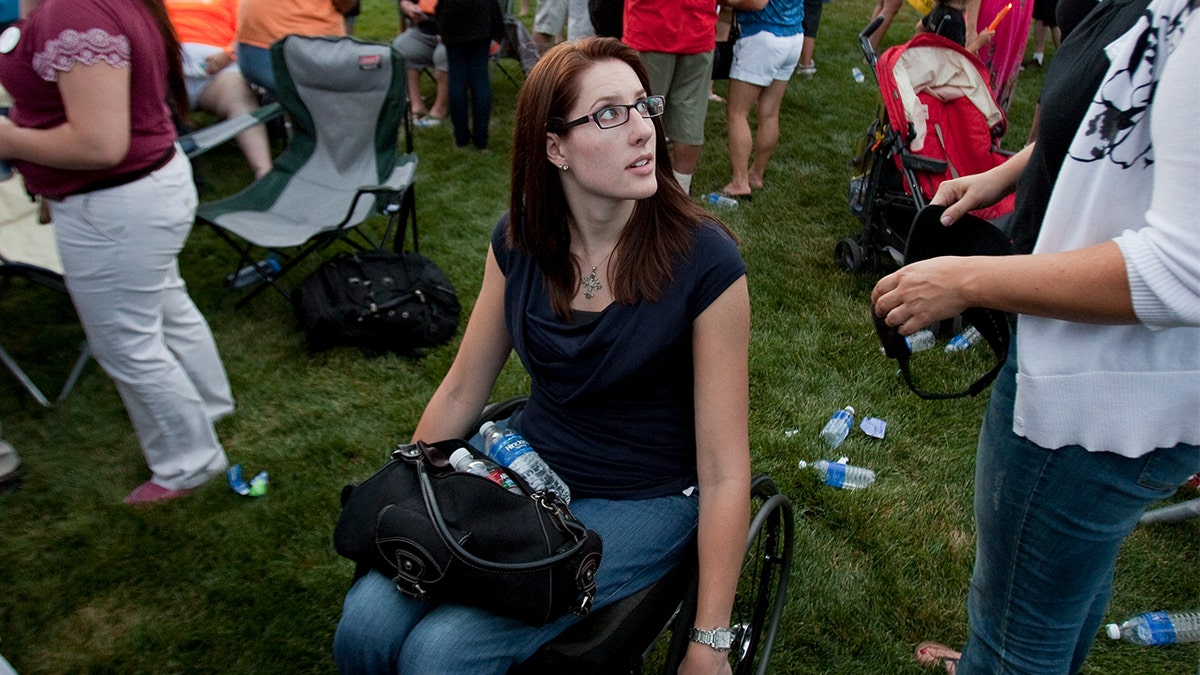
{"points": [[723, 53], [457, 537], [381, 301]]}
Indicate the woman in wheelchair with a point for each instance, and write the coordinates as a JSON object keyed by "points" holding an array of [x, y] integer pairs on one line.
{"points": [[628, 306]]}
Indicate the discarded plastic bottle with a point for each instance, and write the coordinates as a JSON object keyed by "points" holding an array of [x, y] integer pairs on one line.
{"points": [[718, 199], [1158, 628], [918, 341], [838, 427], [964, 340], [462, 460], [858, 75], [838, 475], [249, 275], [509, 447]]}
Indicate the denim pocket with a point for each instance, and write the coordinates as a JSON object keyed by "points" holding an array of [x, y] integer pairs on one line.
{"points": [[1166, 469]]}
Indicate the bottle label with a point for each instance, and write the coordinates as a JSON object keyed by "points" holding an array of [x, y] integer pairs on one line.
{"points": [[835, 474], [507, 449], [500, 478], [1157, 630]]}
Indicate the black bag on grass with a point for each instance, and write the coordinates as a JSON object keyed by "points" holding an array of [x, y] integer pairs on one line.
{"points": [[381, 301]]}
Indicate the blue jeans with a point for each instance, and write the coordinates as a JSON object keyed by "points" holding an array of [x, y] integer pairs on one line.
{"points": [[1050, 524], [255, 64], [384, 631], [468, 63]]}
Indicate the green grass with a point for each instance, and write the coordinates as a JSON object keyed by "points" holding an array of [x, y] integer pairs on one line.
{"points": [[219, 583]]}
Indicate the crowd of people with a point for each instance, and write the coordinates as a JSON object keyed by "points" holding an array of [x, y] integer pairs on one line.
{"points": [[602, 244]]}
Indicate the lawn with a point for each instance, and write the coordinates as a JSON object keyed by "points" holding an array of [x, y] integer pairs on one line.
{"points": [[220, 583]]}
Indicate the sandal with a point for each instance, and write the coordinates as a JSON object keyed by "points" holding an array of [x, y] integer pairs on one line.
{"points": [[935, 655]]}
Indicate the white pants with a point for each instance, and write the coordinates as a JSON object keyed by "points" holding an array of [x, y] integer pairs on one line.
{"points": [[119, 248]]}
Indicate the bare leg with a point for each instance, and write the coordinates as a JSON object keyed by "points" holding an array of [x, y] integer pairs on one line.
{"points": [[441, 101], [228, 95], [806, 52], [415, 100], [769, 102], [742, 96], [887, 9]]}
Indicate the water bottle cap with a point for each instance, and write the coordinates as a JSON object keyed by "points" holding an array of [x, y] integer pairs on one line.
{"points": [[850, 409], [459, 454], [1113, 631], [802, 464], [486, 428]]}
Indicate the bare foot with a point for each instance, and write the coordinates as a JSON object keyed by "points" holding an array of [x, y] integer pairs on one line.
{"points": [[934, 655], [736, 190]]}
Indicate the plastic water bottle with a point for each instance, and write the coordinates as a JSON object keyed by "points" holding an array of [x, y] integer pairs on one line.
{"points": [[509, 447], [918, 341], [964, 340], [462, 460], [857, 73], [838, 475], [718, 199], [1158, 628], [260, 271], [838, 427]]}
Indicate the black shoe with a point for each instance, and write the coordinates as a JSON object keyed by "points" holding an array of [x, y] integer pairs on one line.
{"points": [[11, 481]]}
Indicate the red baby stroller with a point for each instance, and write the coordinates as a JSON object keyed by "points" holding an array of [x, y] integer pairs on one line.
{"points": [[939, 120]]}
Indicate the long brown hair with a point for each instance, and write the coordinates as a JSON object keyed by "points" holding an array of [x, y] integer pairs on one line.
{"points": [[176, 87], [658, 232]]}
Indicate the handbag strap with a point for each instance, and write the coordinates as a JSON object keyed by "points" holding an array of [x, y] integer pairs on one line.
{"points": [[547, 502]]}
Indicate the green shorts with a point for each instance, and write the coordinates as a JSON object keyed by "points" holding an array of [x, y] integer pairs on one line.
{"points": [[683, 79]]}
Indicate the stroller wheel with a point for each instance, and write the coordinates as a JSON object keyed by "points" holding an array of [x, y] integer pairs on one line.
{"points": [[848, 254]]}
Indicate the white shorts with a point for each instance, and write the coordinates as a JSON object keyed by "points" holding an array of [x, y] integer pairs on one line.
{"points": [[195, 74], [761, 58], [551, 15]]}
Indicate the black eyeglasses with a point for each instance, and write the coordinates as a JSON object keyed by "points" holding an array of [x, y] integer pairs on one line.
{"points": [[612, 116]]}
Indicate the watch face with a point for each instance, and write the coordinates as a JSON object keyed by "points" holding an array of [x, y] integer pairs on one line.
{"points": [[722, 639], [718, 638]]}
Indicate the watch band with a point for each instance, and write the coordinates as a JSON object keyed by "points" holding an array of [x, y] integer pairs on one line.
{"points": [[720, 639]]}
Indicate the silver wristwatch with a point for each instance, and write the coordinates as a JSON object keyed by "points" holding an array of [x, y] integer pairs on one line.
{"points": [[720, 639]]}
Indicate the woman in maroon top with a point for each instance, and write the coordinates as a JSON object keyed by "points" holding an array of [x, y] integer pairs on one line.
{"points": [[91, 132]]}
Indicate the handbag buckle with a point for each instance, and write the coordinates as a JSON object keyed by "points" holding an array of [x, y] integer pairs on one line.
{"points": [[406, 451]]}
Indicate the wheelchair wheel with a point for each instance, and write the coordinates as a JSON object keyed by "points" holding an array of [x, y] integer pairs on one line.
{"points": [[762, 585]]}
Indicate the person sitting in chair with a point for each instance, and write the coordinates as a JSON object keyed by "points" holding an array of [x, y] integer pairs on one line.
{"points": [[422, 49], [628, 305], [207, 31]]}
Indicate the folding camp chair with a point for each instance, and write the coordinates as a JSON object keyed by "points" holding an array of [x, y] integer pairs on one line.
{"points": [[346, 100], [28, 251]]}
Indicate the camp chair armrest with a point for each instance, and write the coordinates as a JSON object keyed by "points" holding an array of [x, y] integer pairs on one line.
{"points": [[202, 140]]}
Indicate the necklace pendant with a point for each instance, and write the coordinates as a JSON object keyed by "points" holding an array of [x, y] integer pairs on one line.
{"points": [[591, 284]]}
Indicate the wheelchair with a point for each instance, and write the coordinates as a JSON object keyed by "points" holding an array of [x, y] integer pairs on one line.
{"points": [[652, 625]]}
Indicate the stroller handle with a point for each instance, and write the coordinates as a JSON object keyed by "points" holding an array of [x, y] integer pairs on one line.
{"points": [[864, 41]]}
